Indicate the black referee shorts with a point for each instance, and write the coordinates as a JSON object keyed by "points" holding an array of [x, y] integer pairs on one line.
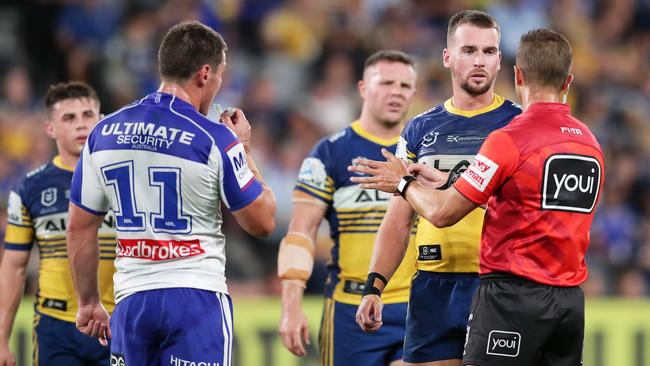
{"points": [[517, 322]]}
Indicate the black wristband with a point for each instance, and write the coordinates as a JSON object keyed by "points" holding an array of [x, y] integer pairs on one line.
{"points": [[454, 174], [404, 184], [369, 288]]}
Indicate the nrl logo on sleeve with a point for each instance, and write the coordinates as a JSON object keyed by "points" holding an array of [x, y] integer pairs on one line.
{"points": [[571, 183], [48, 196], [239, 165], [480, 173]]}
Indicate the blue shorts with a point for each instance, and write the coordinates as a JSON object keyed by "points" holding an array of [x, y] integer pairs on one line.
{"points": [[343, 343], [436, 323], [59, 343], [173, 326]]}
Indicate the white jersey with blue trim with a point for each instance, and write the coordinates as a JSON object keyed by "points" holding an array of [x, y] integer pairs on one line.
{"points": [[164, 169]]}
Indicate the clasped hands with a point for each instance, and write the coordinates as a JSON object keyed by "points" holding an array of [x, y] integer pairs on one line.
{"points": [[385, 175]]}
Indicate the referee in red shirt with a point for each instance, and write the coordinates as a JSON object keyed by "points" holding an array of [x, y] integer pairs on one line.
{"points": [[541, 178]]}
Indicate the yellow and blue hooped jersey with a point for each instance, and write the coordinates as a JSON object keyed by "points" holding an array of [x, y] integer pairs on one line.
{"points": [[38, 212], [354, 214], [444, 137]]}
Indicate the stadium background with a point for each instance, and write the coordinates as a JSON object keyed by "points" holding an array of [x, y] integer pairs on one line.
{"points": [[293, 67]]}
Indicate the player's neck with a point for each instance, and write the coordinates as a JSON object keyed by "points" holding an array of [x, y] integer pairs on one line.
{"points": [[378, 129], [464, 101], [531, 96], [69, 161], [181, 92]]}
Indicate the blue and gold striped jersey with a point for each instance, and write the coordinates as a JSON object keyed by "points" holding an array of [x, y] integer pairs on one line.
{"points": [[354, 214], [38, 212], [444, 137]]}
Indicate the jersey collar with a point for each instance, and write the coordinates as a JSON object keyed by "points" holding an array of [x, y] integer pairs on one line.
{"points": [[356, 127], [59, 164], [497, 101]]}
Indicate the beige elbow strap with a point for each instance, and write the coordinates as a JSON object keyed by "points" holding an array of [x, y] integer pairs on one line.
{"points": [[296, 257]]}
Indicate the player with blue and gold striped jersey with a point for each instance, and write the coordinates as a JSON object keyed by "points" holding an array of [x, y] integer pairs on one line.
{"points": [[353, 213], [38, 213], [324, 191], [447, 137]]}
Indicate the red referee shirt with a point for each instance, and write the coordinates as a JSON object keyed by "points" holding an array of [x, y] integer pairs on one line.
{"points": [[541, 176]]}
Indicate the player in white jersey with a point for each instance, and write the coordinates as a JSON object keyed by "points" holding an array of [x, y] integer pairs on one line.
{"points": [[165, 169]]}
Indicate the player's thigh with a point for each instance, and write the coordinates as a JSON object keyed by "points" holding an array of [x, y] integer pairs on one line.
{"points": [[54, 343], [437, 316], [344, 343], [509, 322], [565, 344], [200, 328], [135, 326]]}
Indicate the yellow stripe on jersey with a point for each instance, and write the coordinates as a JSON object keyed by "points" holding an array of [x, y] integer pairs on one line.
{"points": [[15, 234], [322, 194], [459, 242], [356, 127], [497, 101], [351, 253]]}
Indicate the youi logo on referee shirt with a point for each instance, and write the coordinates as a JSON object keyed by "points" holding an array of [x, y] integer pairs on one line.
{"points": [[571, 183], [503, 343]]}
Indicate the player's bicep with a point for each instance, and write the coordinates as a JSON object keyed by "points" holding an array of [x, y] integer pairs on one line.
{"points": [[238, 186]]}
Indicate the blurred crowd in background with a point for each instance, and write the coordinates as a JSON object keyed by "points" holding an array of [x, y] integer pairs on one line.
{"points": [[293, 66]]}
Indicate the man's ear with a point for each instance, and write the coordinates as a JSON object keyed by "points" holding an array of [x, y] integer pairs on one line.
{"points": [[519, 76], [361, 85], [49, 129], [203, 75], [446, 58]]}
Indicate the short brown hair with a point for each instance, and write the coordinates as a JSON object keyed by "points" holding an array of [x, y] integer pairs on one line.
{"points": [[544, 57], [476, 18], [71, 90], [186, 47], [389, 56]]}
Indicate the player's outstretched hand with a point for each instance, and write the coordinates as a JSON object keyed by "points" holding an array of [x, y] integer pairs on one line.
{"points": [[6, 357], [427, 175], [239, 124], [369, 313], [384, 175], [93, 321], [294, 331]]}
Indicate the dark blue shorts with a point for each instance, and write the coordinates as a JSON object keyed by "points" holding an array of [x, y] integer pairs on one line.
{"points": [[436, 323], [59, 343], [343, 343], [173, 326]]}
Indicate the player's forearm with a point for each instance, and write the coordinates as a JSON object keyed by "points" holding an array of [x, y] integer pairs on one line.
{"points": [[84, 260], [12, 282], [392, 238], [292, 293], [429, 203]]}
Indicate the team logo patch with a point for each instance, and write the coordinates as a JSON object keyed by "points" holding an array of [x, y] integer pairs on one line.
{"points": [[503, 343], [429, 252], [430, 138], [237, 157], [117, 359], [48, 196], [571, 183], [480, 173], [312, 172]]}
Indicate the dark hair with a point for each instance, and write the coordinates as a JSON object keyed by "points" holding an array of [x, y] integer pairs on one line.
{"points": [[544, 57], [476, 18], [389, 56], [71, 90], [186, 47]]}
